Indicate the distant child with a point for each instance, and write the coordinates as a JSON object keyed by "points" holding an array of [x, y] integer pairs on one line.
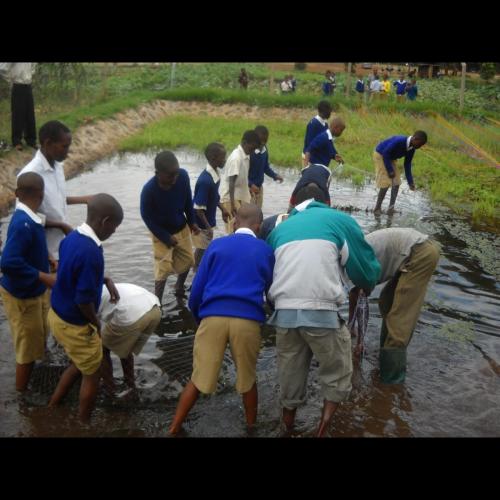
{"points": [[234, 183], [318, 156], [317, 125], [259, 165], [25, 268], [386, 172], [227, 301], [207, 199], [400, 87], [375, 88], [127, 325], [76, 297], [412, 90], [360, 87], [243, 79], [385, 87], [167, 211]]}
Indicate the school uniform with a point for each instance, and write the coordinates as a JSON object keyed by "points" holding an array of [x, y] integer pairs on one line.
{"points": [[24, 295], [227, 299], [80, 279], [206, 197], [168, 213], [412, 92], [128, 323], [317, 250], [258, 166], [360, 86], [54, 205], [237, 164], [317, 174], [400, 87], [314, 127], [384, 157], [408, 259], [322, 150]]}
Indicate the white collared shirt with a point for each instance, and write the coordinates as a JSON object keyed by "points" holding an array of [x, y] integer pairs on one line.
{"points": [[134, 303], [18, 72], [245, 230], [54, 201], [33, 216], [329, 134], [408, 147], [321, 120], [238, 164], [302, 206], [86, 230]]}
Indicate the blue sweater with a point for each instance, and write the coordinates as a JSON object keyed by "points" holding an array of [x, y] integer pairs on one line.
{"points": [[24, 256], [259, 165], [314, 173], [394, 148], [360, 86], [321, 149], [80, 277], [314, 127], [206, 194], [234, 274], [400, 87], [166, 212]]}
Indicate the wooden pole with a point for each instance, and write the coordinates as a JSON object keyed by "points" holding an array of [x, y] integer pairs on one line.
{"points": [[462, 87], [172, 76], [348, 79], [271, 79]]}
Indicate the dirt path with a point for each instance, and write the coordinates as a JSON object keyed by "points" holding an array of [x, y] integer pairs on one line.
{"points": [[96, 140]]}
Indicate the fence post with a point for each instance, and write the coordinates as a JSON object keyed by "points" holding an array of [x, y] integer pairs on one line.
{"points": [[271, 79], [172, 75], [348, 80], [462, 87]]}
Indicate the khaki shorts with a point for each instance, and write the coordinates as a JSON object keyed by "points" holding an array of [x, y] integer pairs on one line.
{"points": [[295, 348], [124, 340], [210, 342], [174, 260], [382, 178], [203, 239], [258, 199], [230, 224], [81, 343], [28, 325]]}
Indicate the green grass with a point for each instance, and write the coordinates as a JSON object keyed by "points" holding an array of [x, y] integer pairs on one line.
{"points": [[466, 185]]}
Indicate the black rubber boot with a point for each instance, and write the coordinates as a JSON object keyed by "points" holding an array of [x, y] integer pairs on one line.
{"points": [[392, 365]]}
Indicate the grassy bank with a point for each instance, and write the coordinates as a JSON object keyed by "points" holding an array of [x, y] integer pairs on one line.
{"points": [[465, 184]]}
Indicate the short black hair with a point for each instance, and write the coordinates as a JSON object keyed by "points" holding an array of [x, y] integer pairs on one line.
{"points": [[165, 160], [324, 106], [104, 205], [251, 137], [261, 129], [213, 149], [30, 182], [52, 131], [309, 191], [420, 134]]}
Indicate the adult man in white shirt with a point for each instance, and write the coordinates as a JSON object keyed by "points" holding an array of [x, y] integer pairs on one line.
{"points": [[19, 76], [127, 325], [234, 182], [55, 140]]}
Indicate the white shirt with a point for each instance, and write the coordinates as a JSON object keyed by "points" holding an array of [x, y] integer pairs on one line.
{"points": [[54, 201], [375, 86], [18, 72], [238, 164], [33, 216], [134, 303], [86, 230], [215, 176], [321, 120], [245, 230], [408, 147]]}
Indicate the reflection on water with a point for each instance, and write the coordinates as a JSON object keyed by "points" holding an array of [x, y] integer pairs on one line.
{"points": [[452, 386]]}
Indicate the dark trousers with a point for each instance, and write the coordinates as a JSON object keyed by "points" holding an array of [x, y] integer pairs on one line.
{"points": [[23, 114]]}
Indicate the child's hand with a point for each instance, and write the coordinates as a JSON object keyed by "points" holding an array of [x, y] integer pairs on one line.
{"points": [[113, 291], [66, 228], [279, 179], [195, 229], [412, 187], [254, 189], [225, 215], [173, 242], [391, 174], [53, 263], [339, 159]]}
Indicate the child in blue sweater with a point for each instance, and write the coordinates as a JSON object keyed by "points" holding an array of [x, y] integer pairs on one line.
{"points": [[259, 165], [387, 174], [76, 298], [167, 211], [25, 268], [227, 301], [317, 125]]}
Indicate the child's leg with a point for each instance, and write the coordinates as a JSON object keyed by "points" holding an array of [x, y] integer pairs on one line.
{"points": [[64, 385], [128, 370], [380, 199], [186, 402], [159, 288], [250, 402], [179, 285], [329, 408], [107, 371], [198, 254], [394, 194], [88, 395], [23, 374]]}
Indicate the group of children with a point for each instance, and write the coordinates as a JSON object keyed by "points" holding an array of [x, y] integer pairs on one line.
{"points": [[300, 261], [378, 88]]}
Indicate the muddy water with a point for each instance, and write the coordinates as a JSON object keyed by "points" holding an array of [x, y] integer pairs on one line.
{"points": [[451, 389]]}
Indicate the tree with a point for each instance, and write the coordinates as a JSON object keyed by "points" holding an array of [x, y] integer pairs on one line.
{"points": [[300, 66], [487, 71]]}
